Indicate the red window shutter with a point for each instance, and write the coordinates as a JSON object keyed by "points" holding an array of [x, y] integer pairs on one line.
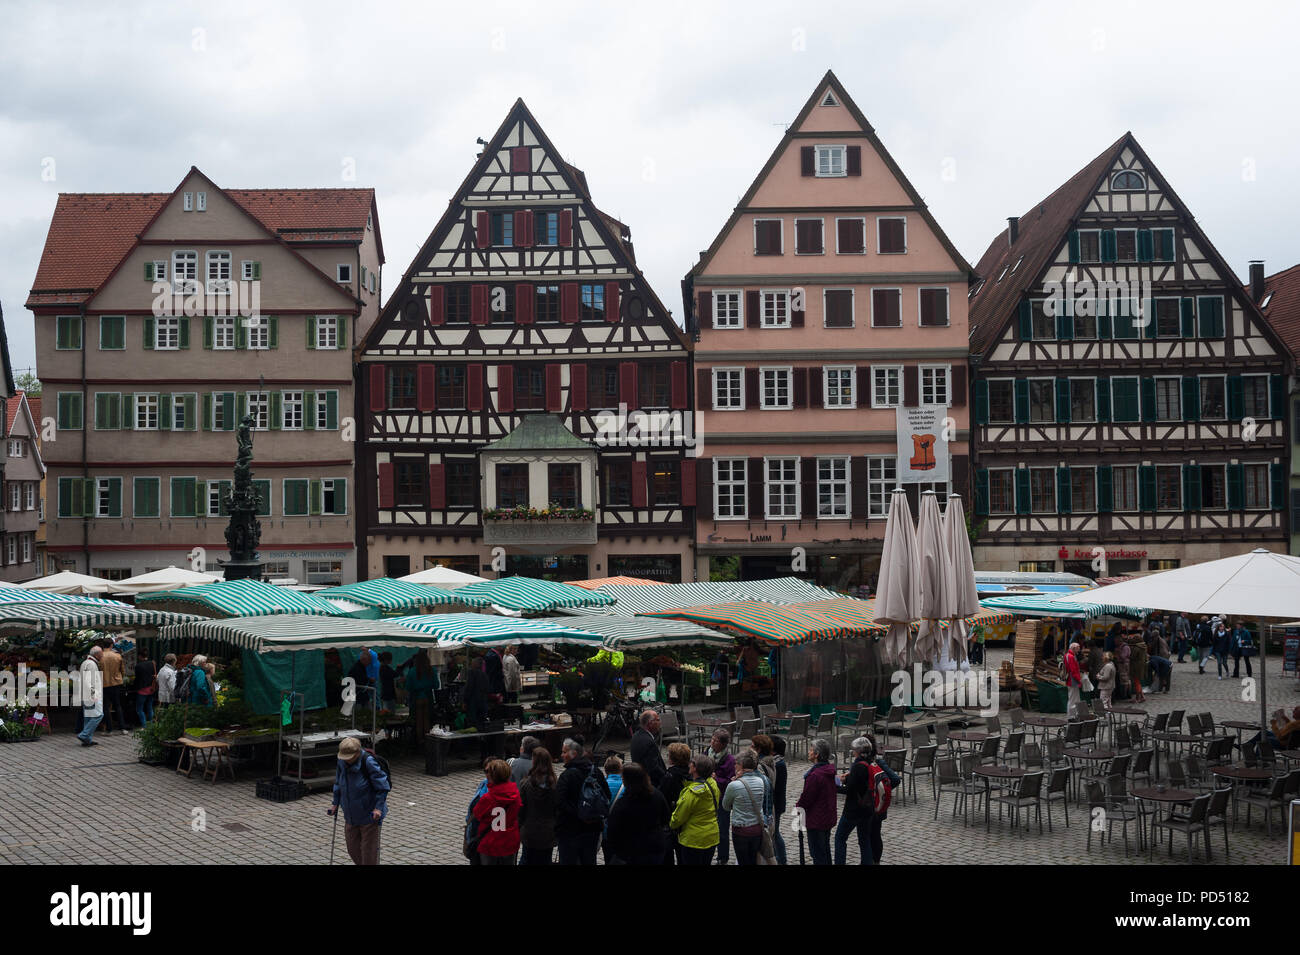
{"points": [[801, 387], [521, 160], [378, 391], [569, 303], [386, 483], [858, 503], [816, 379], [705, 308], [424, 387], [638, 483], [864, 386], [959, 386], [437, 487], [474, 387], [753, 309], [704, 389], [523, 229], [553, 402], [752, 396], [757, 503], [437, 304], [627, 388], [796, 316], [505, 387], [578, 387], [854, 161], [612, 306], [478, 304], [565, 236], [807, 161], [703, 487], [679, 385], [808, 504], [688, 482], [524, 304], [483, 229], [911, 386]]}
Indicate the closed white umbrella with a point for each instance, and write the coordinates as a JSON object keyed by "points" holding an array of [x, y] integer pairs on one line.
{"points": [[966, 601], [68, 582], [897, 592], [169, 578], [936, 584], [442, 577]]}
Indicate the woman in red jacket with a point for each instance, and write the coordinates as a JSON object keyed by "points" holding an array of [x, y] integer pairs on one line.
{"points": [[820, 810], [497, 812]]}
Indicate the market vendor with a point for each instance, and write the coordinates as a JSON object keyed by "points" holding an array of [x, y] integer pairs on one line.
{"points": [[612, 657]]}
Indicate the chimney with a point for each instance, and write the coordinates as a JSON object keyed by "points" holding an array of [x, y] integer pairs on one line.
{"points": [[1257, 280], [1013, 229]]}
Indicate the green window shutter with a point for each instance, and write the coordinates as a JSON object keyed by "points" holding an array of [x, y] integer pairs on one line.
{"points": [[1146, 322], [257, 271], [185, 331], [277, 410], [332, 410], [317, 497], [241, 332], [273, 333], [341, 495], [88, 489], [1236, 401], [1277, 399], [1022, 400], [1170, 252], [148, 332], [1147, 487], [1064, 324], [1108, 245], [209, 331], [1148, 399], [1191, 398], [228, 410], [224, 490], [190, 403], [981, 491], [207, 411], [1103, 400], [101, 411], [1026, 321], [981, 402], [1125, 406], [1236, 484], [1022, 490], [1074, 246], [1063, 400], [1105, 489], [309, 411], [67, 498], [148, 271], [69, 413], [1187, 317], [128, 412], [1105, 328], [1063, 490], [115, 497], [1146, 246], [165, 412], [1210, 310], [311, 332], [242, 411], [343, 332], [1277, 487], [264, 497], [1191, 487]]}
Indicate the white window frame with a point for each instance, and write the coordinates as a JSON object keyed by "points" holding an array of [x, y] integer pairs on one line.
{"points": [[185, 270], [777, 295], [739, 321], [876, 400], [882, 478], [167, 333], [820, 219], [947, 383], [178, 401], [11, 549], [160, 267], [1118, 260], [343, 273], [1268, 398], [1223, 468], [897, 290], [1154, 326], [1268, 486], [223, 328], [1011, 497], [322, 410], [1200, 397], [1092, 384], [729, 370], [1051, 496], [144, 404], [1082, 233], [838, 220], [373, 282], [261, 325], [1051, 408], [102, 486], [947, 300], [1012, 419], [1122, 172], [731, 482], [327, 332], [788, 372], [757, 220], [27, 548], [1178, 393], [844, 484], [214, 506], [853, 306], [880, 219], [288, 400], [327, 486], [1182, 495], [853, 386], [29, 495], [831, 151], [784, 461], [1081, 468], [263, 401], [15, 496], [187, 201], [246, 269], [201, 202], [1137, 489], [214, 260]]}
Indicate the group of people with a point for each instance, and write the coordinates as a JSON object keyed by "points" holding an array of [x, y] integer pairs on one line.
{"points": [[103, 692]]}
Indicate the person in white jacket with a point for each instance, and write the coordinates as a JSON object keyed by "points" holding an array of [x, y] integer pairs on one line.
{"points": [[92, 696], [167, 681]]}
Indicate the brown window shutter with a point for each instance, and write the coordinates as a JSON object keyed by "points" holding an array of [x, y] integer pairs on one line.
{"points": [[523, 237], [959, 386], [638, 484], [864, 386], [437, 304], [753, 309], [703, 486], [553, 402], [482, 229], [520, 160], [801, 387], [752, 395], [627, 385], [756, 506], [565, 235], [961, 480], [911, 386], [437, 487], [807, 161], [505, 388], [854, 165], [524, 304], [704, 304], [688, 482], [797, 316], [378, 388], [678, 369], [858, 488], [913, 492], [704, 389], [474, 387], [612, 304], [569, 303], [816, 380], [478, 304], [808, 506], [425, 392], [578, 387], [386, 484]]}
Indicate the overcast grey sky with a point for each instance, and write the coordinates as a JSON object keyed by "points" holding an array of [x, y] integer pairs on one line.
{"points": [[670, 108]]}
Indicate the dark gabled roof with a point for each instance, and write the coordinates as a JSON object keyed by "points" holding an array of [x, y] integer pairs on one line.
{"points": [[8, 382], [1282, 292], [1041, 231], [867, 130], [539, 432]]}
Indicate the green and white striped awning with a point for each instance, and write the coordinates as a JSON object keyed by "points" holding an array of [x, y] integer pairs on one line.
{"points": [[81, 615], [619, 632], [531, 595], [482, 630], [272, 633], [240, 598], [400, 596], [22, 595], [1072, 606], [643, 598]]}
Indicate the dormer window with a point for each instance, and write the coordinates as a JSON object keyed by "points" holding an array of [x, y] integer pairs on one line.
{"points": [[1128, 181]]}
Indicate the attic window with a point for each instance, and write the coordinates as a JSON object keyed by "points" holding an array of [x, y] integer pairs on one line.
{"points": [[1267, 298], [201, 201], [976, 290], [830, 100], [1128, 181], [1017, 265], [1003, 274]]}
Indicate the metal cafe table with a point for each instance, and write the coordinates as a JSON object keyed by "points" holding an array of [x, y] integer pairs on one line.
{"points": [[968, 737], [1241, 776], [1001, 773], [1040, 724], [1161, 795], [1239, 726]]}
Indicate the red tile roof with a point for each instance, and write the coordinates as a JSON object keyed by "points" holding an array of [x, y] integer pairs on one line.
{"points": [[1282, 292], [91, 232], [34, 403]]}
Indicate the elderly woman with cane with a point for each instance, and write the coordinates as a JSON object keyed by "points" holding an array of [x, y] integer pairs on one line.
{"points": [[361, 789]]}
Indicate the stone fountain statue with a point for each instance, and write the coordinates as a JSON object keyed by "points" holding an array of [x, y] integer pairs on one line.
{"points": [[243, 533]]}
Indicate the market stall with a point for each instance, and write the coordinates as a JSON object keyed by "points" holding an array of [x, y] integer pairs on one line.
{"points": [[639, 599], [239, 598], [443, 577], [156, 581], [532, 595], [386, 595], [68, 582]]}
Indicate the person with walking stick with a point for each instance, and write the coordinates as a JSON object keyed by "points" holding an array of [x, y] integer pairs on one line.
{"points": [[361, 788]]}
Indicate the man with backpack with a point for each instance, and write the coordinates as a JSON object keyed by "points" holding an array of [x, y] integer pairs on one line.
{"points": [[866, 792], [361, 787], [582, 804]]}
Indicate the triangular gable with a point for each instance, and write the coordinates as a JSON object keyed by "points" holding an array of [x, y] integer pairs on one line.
{"points": [[23, 412]]}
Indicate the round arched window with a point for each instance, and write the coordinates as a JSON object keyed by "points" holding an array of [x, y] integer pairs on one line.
{"points": [[1128, 181]]}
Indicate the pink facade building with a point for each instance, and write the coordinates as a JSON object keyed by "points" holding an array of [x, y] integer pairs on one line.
{"points": [[829, 299]]}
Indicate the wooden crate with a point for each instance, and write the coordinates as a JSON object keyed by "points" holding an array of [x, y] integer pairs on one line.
{"points": [[1029, 647]]}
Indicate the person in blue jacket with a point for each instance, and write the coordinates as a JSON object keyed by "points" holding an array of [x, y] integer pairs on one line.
{"points": [[361, 788]]}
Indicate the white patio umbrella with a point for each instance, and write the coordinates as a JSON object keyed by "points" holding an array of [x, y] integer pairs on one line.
{"points": [[442, 577], [936, 580], [897, 589], [67, 582], [966, 601], [169, 578]]}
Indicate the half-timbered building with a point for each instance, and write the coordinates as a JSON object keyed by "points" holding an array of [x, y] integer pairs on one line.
{"points": [[829, 306], [1278, 297], [1128, 395], [525, 394]]}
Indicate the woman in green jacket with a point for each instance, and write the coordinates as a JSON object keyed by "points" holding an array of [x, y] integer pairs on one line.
{"points": [[695, 818]]}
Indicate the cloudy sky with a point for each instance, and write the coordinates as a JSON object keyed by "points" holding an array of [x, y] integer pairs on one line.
{"points": [[670, 108]]}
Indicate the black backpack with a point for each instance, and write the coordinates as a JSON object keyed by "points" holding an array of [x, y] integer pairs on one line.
{"points": [[183, 678], [473, 834], [594, 803], [383, 765]]}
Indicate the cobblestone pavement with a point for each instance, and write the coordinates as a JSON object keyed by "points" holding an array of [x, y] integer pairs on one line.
{"points": [[62, 803]]}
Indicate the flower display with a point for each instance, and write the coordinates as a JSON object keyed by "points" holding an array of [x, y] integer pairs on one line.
{"points": [[552, 513]]}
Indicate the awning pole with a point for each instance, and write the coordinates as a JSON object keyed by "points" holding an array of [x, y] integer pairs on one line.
{"points": [[302, 710]]}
